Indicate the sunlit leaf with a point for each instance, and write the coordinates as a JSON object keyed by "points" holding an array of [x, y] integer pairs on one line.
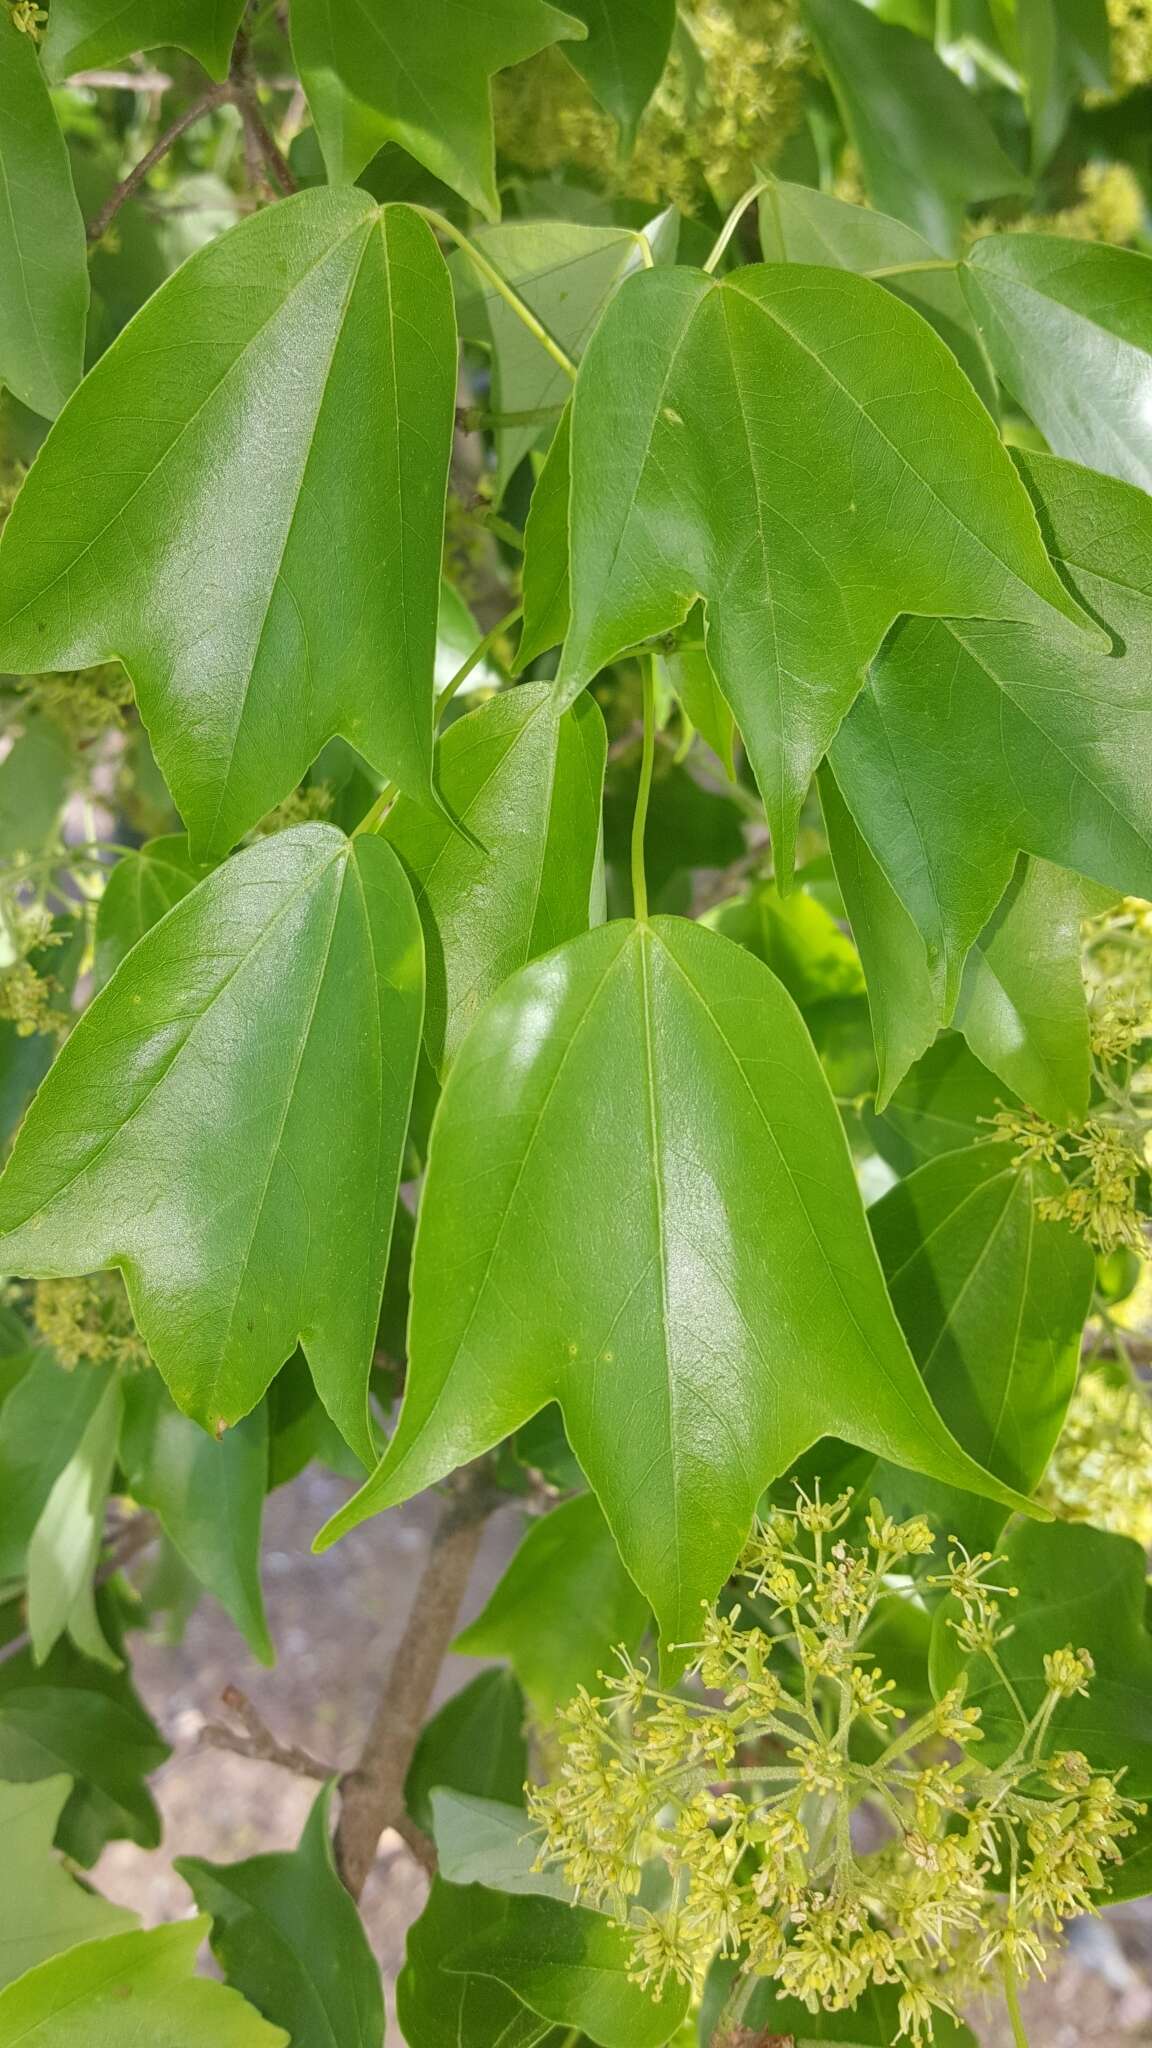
{"points": [[44, 1910], [136, 1987], [85, 34]]}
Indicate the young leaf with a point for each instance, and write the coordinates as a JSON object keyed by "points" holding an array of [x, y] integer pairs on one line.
{"points": [[294, 383], [624, 55], [992, 1300], [526, 783], [1065, 46], [475, 1744], [1068, 326], [799, 224], [1085, 1588], [65, 1544], [141, 887], [773, 444], [565, 273], [208, 1496], [43, 1909], [83, 35], [438, 2008], [975, 741], [43, 255], [134, 1987], [561, 1608], [287, 1934], [45, 1418], [1022, 1004], [926, 149], [646, 1105], [573, 1968], [399, 71], [281, 999], [484, 1841]]}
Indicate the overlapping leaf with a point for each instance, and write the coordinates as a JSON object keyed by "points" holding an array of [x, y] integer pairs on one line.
{"points": [[65, 1544], [775, 444], [574, 1968], [44, 1909], [141, 887], [294, 384], [474, 1743], [138, 1987], [85, 34], [624, 54], [176, 1136], [439, 2008], [646, 1108], [43, 260], [401, 71]]}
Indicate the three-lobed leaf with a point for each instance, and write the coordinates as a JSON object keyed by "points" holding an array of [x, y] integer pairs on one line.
{"points": [[292, 384], [646, 1108], [176, 1135]]}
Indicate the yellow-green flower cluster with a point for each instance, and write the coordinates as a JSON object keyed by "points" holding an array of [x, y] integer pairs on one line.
{"points": [[1131, 22], [28, 18], [1102, 1168], [1101, 1469], [757, 1788], [89, 1322], [85, 703], [25, 993], [1117, 967]]}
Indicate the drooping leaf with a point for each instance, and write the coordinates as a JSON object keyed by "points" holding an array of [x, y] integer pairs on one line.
{"points": [[287, 1934], [646, 1103], [64, 1547], [764, 443], [484, 1841], [134, 1987], [572, 1967], [441, 2009], [474, 1743], [526, 783], [565, 273], [282, 997], [561, 1608], [293, 383], [1068, 326], [992, 1299], [800, 224], [141, 887], [625, 52], [926, 149], [45, 1418], [1022, 1004], [975, 741], [1080, 1587], [208, 1496], [42, 1909], [1065, 48], [43, 255], [86, 34], [398, 71]]}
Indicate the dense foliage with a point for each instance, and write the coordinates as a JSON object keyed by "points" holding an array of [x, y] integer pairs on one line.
{"points": [[576, 821]]}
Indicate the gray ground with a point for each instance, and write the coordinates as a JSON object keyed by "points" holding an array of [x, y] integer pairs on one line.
{"points": [[336, 1619]]}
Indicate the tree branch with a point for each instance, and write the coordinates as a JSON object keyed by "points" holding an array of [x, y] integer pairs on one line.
{"points": [[216, 96], [258, 1742], [372, 1792]]}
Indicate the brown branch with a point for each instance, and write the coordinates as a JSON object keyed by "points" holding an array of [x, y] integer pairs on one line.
{"points": [[372, 1792], [216, 96], [274, 163], [258, 1742]]}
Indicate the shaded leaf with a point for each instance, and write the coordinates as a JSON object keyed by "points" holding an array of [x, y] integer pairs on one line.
{"points": [[688, 673], [615, 1101], [43, 1909], [624, 55], [572, 1967], [561, 1608], [84, 34], [281, 997], [799, 224], [946, 1100], [728, 445], [871, 2023], [474, 1743], [484, 1841], [45, 1418], [140, 889], [136, 1987], [399, 71], [526, 783], [925, 146], [209, 1496], [1068, 326], [1065, 46], [64, 1547], [287, 1934], [43, 253], [273, 388], [441, 2009]]}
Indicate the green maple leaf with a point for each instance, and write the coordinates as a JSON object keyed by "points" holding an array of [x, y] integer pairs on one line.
{"points": [[43, 255], [85, 34]]}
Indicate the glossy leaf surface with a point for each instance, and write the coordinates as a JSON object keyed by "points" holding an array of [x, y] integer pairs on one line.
{"points": [[44, 1909], [294, 381], [45, 1418], [399, 71], [693, 404], [526, 785], [287, 1934], [647, 1104], [136, 1987], [561, 1608], [926, 149], [572, 1967], [83, 34], [282, 996], [43, 262], [1068, 326]]}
